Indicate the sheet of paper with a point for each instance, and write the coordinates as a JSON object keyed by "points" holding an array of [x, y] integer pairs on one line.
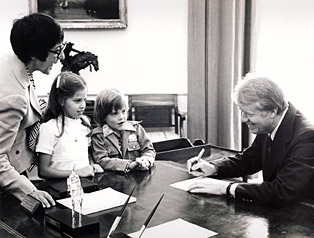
{"points": [[100, 200], [176, 228], [186, 183]]}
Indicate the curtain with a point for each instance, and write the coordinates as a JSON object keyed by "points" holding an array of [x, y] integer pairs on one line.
{"points": [[219, 50]]}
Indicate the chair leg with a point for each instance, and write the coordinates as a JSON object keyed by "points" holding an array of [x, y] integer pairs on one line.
{"points": [[176, 126], [181, 128]]}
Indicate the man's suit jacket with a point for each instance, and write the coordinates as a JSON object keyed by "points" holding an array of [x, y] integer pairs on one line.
{"points": [[288, 173], [19, 110]]}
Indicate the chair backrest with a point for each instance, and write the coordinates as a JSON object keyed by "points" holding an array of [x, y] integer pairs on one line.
{"points": [[89, 111], [153, 99], [154, 110]]}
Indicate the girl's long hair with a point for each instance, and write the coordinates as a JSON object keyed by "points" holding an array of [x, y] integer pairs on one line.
{"points": [[65, 85]]}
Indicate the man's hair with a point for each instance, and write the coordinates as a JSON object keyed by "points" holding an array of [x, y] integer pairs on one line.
{"points": [[34, 35], [106, 102], [255, 88]]}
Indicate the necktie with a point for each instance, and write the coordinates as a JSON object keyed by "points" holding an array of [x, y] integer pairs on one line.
{"points": [[269, 145], [123, 144]]}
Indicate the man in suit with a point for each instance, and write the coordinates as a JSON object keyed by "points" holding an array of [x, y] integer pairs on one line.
{"points": [[283, 149], [37, 43]]}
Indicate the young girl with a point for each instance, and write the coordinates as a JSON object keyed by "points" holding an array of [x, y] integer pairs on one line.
{"points": [[63, 139], [118, 144]]}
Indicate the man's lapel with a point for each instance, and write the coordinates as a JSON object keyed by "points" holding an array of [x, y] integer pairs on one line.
{"points": [[280, 144]]}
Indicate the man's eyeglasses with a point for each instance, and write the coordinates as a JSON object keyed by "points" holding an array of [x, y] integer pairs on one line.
{"points": [[59, 50]]}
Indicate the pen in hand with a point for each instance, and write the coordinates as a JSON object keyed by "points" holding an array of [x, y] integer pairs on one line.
{"points": [[198, 159]]}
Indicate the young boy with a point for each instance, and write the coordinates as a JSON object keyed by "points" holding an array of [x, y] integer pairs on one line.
{"points": [[118, 144]]}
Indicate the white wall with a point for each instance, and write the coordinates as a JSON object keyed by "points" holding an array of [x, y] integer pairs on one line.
{"points": [[8, 12], [150, 56], [285, 48]]}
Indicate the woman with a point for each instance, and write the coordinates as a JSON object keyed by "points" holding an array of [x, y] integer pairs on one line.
{"points": [[37, 42]]}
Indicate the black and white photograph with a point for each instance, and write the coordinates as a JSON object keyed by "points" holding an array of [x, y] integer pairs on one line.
{"points": [[157, 119]]}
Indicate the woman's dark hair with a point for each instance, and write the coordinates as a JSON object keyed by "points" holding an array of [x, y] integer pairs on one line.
{"points": [[106, 102], [65, 85], [34, 35]]}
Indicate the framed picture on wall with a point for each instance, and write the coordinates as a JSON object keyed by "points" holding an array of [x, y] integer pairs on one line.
{"points": [[78, 14]]}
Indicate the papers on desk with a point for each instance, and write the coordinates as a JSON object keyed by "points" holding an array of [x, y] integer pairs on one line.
{"points": [[176, 228], [100, 200], [186, 183]]}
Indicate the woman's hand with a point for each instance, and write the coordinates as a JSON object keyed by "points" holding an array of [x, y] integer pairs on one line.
{"points": [[44, 197]]}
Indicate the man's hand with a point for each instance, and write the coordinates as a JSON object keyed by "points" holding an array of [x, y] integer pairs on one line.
{"points": [[196, 163], [44, 197], [210, 186]]}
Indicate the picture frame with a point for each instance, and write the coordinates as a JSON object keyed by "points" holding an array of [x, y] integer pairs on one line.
{"points": [[84, 14]]}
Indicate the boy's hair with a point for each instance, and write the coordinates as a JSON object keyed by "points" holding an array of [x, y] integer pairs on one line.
{"points": [[33, 35], [65, 85], [106, 102]]}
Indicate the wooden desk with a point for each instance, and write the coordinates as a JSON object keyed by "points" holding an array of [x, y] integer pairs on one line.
{"points": [[217, 213]]}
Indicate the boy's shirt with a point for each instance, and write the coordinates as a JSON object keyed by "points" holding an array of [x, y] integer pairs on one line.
{"points": [[112, 151]]}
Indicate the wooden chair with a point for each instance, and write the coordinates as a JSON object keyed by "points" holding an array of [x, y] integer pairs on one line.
{"points": [[157, 112]]}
